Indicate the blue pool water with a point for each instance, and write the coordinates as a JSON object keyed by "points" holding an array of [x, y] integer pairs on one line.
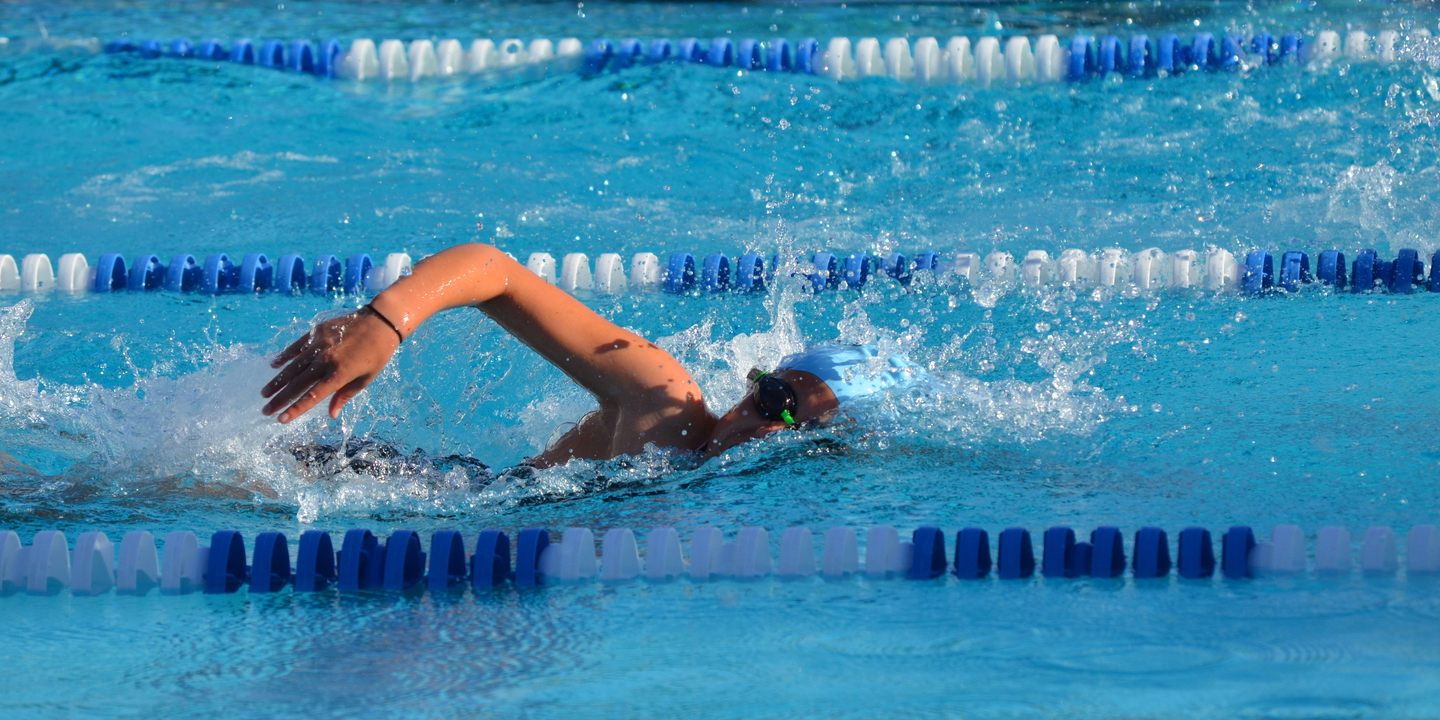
{"points": [[1047, 406]]}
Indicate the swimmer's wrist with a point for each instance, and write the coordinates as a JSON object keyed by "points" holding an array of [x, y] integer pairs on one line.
{"points": [[394, 313], [384, 319]]}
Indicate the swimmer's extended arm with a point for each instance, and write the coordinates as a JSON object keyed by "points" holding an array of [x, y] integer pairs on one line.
{"points": [[642, 390]]}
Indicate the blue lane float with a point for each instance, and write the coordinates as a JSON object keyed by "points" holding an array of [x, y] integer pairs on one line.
{"points": [[857, 270], [448, 565], [1235, 550], [972, 554], [1152, 553], [1364, 273], [750, 273], [1407, 273], [1059, 554], [805, 55], [1170, 55], [357, 269], [1083, 63], [290, 274], [212, 50], [721, 53], [1017, 554], [327, 61], [1330, 269], [1203, 51], [1259, 272], [219, 275], [928, 558], [242, 52], [148, 273], [1294, 270], [630, 51], [301, 57], [403, 566], [1143, 57], [749, 55], [272, 55], [327, 275], [110, 273], [225, 569], [1232, 53], [778, 57], [598, 55], [896, 266], [1290, 47], [688, 50], [1107, 554], [530, 545], [660, 50], [826, 271], [359, 561], [1112, 57], [1197, 554], [679, 275], [1266, 48], [315, 566], [183, 274], [257, 275], [270, 568], [490, 565], [715, 274]]}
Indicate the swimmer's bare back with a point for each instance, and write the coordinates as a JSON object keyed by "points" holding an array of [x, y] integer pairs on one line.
{"points": [[645, 395]]}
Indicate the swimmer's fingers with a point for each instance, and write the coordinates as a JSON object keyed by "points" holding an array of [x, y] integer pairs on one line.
{"points": [[345, 394], [332, 382], [297, 391], [284, 377]]}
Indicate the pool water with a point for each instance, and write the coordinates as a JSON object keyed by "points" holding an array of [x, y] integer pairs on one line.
{"points": [[1045, 406]]}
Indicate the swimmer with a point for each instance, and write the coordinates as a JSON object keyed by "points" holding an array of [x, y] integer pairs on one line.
{"points": [[645, 395]]}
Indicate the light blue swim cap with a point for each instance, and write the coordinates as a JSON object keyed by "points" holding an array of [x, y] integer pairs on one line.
{"points": [[848, 372]]}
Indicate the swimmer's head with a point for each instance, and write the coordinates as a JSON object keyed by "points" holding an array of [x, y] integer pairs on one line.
{"points": [[848, 372], [805, 389]]}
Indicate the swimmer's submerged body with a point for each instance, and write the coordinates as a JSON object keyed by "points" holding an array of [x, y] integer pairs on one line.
{"points": [[645, 395]]}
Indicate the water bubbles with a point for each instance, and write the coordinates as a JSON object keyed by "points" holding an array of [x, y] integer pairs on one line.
{"points": [[1042, 326]]}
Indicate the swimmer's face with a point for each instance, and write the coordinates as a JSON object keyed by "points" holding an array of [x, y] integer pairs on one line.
{"points": [[813, 401]]}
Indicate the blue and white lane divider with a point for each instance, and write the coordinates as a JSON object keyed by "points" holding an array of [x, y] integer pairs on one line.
{"points": [[361, 561], [1217, 269], [212, 274], [984, 61]]}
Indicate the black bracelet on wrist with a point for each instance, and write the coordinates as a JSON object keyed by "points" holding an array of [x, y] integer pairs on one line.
{"points": [[387, 321]]}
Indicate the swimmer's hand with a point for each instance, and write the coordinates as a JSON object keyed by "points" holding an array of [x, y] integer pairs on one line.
{"points": [[338, 357]]}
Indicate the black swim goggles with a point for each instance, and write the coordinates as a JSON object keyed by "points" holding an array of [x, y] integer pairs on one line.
{"points": [[774, 398]]}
